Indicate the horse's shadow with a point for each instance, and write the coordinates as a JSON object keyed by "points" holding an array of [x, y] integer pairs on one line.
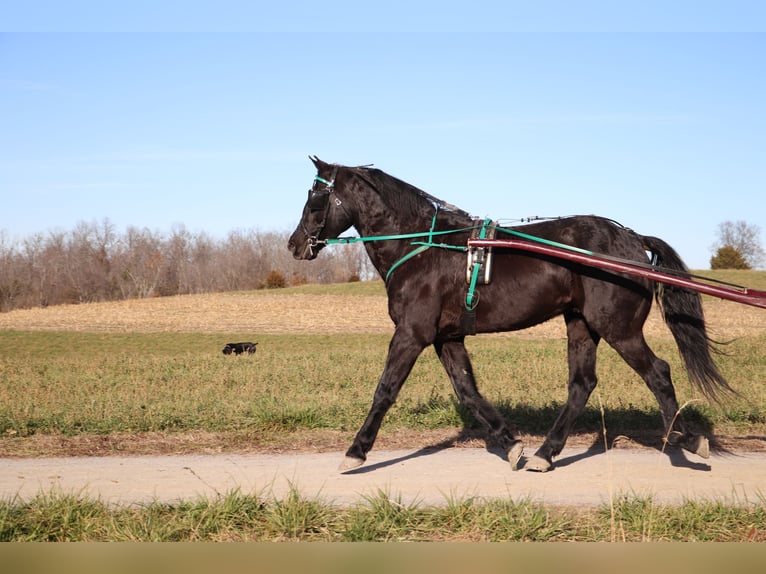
{"points": [[463, 436], [626, 424], [676, 456]]}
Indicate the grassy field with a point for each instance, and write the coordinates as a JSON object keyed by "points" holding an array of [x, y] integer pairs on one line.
{"points": [[149, 376], [97, 384], [155, 366]]}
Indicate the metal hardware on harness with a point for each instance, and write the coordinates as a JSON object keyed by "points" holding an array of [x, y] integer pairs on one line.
{"points": [[481, 257]]}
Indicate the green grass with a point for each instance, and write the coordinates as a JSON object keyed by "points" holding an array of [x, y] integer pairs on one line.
{"points": [[747, 278], [84, 383], [240, 517]]}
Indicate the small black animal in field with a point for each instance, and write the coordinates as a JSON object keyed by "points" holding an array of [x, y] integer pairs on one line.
{"points": [[239, 348]]}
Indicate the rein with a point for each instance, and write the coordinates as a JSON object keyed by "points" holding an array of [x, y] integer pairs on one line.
{"points": [[424, 245], [472, 297], [319, 200], [421, 245]]}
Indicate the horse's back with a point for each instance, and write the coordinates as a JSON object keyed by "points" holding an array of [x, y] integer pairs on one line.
{"points": [[528, 288]]}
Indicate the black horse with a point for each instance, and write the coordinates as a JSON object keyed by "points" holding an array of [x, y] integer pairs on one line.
{"points": [[427, 290]]}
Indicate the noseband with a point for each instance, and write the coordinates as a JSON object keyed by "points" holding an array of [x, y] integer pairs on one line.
{"points": [[319, 200]]}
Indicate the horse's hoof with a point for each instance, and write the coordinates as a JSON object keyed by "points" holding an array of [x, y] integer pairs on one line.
{"points": [[538, 464], [350, 463], [698, 445], [514, 454], [703, 448]]}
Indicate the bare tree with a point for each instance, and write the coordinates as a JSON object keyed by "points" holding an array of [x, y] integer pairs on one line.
{"points": [[744, 238], [51, 266], [89, 265], [13, 280], [93, 262], [141, 264], [177, 271]]}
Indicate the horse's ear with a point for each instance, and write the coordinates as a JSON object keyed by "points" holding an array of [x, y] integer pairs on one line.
{"points": [[317, 162]]}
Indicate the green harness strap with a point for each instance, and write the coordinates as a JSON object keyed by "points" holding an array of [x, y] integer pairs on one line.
{"points": [[536, 239], [421, 245], [472, 298], [420, 249]]}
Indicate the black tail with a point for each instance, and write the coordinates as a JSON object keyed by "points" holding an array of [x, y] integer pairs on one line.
{"points": [[682, 311]]}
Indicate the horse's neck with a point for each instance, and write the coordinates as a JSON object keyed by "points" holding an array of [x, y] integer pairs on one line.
{"points": [[381, 221], [377, 220], [390, 224]]}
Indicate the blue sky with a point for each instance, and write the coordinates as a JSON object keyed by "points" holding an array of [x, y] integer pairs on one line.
{"points": [[659, 123]]}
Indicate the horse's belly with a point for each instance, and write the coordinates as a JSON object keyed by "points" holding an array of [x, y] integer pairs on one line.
{"points": [[512, 305]]}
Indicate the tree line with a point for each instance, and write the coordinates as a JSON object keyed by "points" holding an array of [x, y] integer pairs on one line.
{"points": [[94, 262]]}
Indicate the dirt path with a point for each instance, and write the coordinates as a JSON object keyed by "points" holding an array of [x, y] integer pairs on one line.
{"points": [[582, 477]]}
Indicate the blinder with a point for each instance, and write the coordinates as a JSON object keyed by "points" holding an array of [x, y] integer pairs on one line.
{"points": [[319, 200]]}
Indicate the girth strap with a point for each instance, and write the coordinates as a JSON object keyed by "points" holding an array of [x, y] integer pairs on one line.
{"points": [[479, 259]]}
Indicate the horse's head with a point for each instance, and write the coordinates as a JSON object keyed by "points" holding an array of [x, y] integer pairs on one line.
{"points": [[324, 215]]}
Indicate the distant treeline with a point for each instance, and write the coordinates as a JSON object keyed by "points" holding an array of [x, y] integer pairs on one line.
{"points": [[94, 262]]}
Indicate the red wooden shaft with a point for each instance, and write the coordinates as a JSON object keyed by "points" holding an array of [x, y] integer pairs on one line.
{"points": [[747, 296]]}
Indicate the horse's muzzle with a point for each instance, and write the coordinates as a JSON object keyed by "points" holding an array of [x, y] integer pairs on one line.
{"points": [[303, 249]]}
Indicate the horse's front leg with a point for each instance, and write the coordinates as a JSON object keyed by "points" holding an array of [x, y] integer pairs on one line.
{"points": [[456, 362], [403, 351]]}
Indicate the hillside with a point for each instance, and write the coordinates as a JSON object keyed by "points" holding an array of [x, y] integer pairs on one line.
{"points": [[339, 308]]}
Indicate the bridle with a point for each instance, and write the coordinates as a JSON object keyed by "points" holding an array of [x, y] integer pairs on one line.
{"points": [[319, 200]]}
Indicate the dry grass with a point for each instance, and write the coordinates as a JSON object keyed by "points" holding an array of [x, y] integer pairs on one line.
{"points": [[288, 312], [259, 312]]}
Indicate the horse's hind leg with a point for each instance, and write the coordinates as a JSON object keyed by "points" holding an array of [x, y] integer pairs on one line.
{"points": [[656, 374], [455, 360], [581, 353]]}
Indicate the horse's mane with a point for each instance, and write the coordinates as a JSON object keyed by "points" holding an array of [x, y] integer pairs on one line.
{"points": [[402, 195]]}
